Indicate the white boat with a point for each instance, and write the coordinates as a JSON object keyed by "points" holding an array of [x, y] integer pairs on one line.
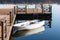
{"points": [[29, 25], [20, 23], [20, 33]]}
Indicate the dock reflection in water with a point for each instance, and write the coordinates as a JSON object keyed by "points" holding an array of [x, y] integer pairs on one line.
{"points": [[25, 33]]}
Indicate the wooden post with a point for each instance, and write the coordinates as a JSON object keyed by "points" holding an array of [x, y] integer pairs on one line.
{"points": [[10, 18], [50, 8], [26, 8], [14, 10], [2, 34], [17, 9], [49, 23], [42, 7], [5, 29]]}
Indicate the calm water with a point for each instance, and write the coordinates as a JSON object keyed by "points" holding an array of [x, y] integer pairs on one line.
{"points": [[52, 33]]}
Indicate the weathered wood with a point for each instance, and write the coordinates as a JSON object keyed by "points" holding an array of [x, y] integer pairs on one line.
{"points": [[2, 34], [2, 25], [5, 11], [33, 10], [8, 27], [10, 18]]}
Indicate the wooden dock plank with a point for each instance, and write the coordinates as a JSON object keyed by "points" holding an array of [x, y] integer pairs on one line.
{"points": [[8, 28]]}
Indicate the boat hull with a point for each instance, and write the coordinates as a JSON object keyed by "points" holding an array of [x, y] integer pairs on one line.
{"points": [[32, 26]]}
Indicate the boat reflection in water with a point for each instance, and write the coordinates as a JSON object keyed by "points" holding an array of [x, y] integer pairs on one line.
{"points": [[21, 33], [24, 33]]}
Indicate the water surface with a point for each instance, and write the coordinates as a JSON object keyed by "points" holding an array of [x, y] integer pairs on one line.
{"points": [[52, 33]]}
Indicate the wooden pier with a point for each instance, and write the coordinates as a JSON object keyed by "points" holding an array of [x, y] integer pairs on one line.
{"points": [[8, 17], [39, 12], [6, 24]]}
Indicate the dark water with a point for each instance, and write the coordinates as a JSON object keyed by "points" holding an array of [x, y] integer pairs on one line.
{"points": [[29, 1], [52, 33]]}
